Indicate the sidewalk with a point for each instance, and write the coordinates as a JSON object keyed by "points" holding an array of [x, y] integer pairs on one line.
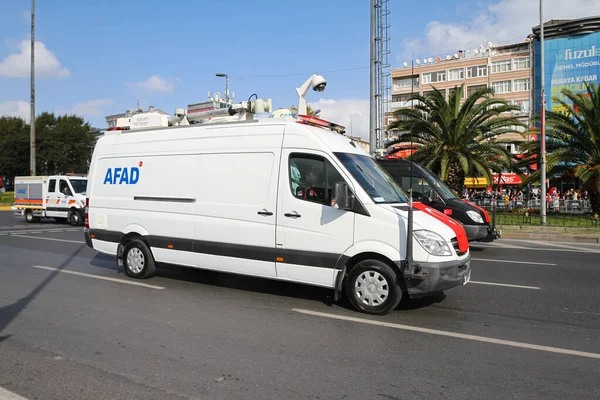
{"points": [[550, 233]]}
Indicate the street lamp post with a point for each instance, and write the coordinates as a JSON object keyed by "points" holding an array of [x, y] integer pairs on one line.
{"points": [[32, 100], [543, 124], [222, 75]]}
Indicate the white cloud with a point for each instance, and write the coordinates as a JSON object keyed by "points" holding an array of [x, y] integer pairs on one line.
{"points": [[92, 108], [19, 65], [16, 108], [157, 84], [351, 113], [500, 21]]}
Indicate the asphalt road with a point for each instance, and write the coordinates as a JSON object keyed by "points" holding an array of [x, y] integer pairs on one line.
{"points": [[72, 326]]}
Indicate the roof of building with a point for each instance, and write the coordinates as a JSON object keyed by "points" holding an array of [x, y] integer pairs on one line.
{"points": [[556, 28]]}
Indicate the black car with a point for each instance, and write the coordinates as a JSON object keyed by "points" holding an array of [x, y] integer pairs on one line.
{"points": [[430, 190]]}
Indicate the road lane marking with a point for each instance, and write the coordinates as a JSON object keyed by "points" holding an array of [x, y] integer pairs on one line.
{"points": [[105, 278], [8, 395], [513, 262], [451, 334], [505, 285], [45, 238]]}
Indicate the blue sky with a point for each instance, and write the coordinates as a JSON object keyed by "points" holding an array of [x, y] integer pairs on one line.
{"points": [[99, 58]]}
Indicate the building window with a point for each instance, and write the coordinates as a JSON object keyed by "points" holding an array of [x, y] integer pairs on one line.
{"points": [[432, 77], [477, 71], [456, 74], [501, 87], [521, 85], [401, 97], [406, 82], [473, 89], [521, 63], [428, 93], [501, 66]]}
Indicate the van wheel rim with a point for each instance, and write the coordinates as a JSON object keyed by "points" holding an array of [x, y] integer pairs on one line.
{"points": [[371, 288], [135, 260]]}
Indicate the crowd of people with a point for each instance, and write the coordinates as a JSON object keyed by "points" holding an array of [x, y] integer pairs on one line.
{"points": [[513, 197]]}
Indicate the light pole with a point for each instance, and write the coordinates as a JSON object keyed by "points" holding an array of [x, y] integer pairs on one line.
{"points": [[32, 101], [222, 75], [543, 125]]}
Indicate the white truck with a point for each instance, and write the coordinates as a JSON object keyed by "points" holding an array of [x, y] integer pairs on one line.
{"points": [[61, 197], [291, 199]]}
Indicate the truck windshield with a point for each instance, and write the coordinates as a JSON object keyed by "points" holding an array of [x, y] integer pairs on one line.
{"points": [[373, 178], [445, 192], [79, 185]]}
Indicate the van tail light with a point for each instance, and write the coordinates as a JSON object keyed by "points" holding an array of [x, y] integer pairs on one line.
{"points": [[87, 218]]}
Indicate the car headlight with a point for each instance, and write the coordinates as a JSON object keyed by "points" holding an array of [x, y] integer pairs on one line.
{"points": [[433, 243], [475, 216]]}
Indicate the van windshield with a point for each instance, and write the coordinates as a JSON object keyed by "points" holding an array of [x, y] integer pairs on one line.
{"points": [[373, 178], [445, 192], [79, 185]]}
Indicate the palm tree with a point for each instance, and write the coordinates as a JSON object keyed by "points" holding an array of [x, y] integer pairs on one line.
{"points": [[573, 141], [455, 140]]}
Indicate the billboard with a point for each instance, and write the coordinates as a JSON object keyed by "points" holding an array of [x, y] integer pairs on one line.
{"points": [[569, 63]]}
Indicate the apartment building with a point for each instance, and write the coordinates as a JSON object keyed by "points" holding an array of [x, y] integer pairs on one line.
{"points": [[505, 68]]}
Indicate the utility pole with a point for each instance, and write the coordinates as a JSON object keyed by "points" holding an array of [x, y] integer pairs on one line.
{"points": [[32, 100], [372, 99], [543, 125]]}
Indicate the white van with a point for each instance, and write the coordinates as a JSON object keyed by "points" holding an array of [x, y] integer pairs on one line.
{"points": [[61, 197], [275, 198]]}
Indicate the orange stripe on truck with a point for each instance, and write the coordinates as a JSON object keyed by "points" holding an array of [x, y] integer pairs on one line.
{"points": [[71, 201], [28, 201]]}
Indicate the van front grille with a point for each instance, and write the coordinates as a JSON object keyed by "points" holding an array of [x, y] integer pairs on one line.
{"points": [[456, 247]]}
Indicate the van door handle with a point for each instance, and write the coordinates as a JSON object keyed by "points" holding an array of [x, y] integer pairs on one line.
{"points": [[265, 212], [292, 215]]}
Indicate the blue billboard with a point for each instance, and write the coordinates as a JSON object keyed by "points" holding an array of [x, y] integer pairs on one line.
{"points": [[569, 63]]}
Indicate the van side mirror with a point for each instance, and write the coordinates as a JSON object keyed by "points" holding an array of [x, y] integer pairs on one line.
{"points": [[342, 197]]}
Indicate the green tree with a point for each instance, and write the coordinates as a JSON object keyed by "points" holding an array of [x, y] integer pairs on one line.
{"points": [[572, 141], [455, 140], [64, 144], [14, 147]]}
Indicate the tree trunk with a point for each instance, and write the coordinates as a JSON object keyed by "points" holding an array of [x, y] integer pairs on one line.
{"points": [[595, 201], [456, 178]]}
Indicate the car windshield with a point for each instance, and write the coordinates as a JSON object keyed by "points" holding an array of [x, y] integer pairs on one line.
{"points": [[445, 192], [373, 178], [79, 185]]}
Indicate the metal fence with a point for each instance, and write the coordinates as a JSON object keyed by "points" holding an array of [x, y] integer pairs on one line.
{"points": [[560, 213]]}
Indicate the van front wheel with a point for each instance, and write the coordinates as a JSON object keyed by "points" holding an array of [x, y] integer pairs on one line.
{"points": [[372, 287], [137, 260]]}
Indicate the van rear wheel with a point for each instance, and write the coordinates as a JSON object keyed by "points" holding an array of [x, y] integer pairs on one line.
{"points": [[138, 261], [29, 216], [372, 287]]}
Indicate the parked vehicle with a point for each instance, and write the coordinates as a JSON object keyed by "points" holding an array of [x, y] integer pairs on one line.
{"points": [[60, 197], [431, 190], [286, 198]]}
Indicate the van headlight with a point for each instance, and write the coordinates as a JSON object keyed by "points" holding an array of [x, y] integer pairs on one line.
{"points": [[475, 216], [433, 243]]}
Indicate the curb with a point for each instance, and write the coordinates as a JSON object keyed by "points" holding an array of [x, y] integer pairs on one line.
{"points": [[5, 208], [592, 238]]}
